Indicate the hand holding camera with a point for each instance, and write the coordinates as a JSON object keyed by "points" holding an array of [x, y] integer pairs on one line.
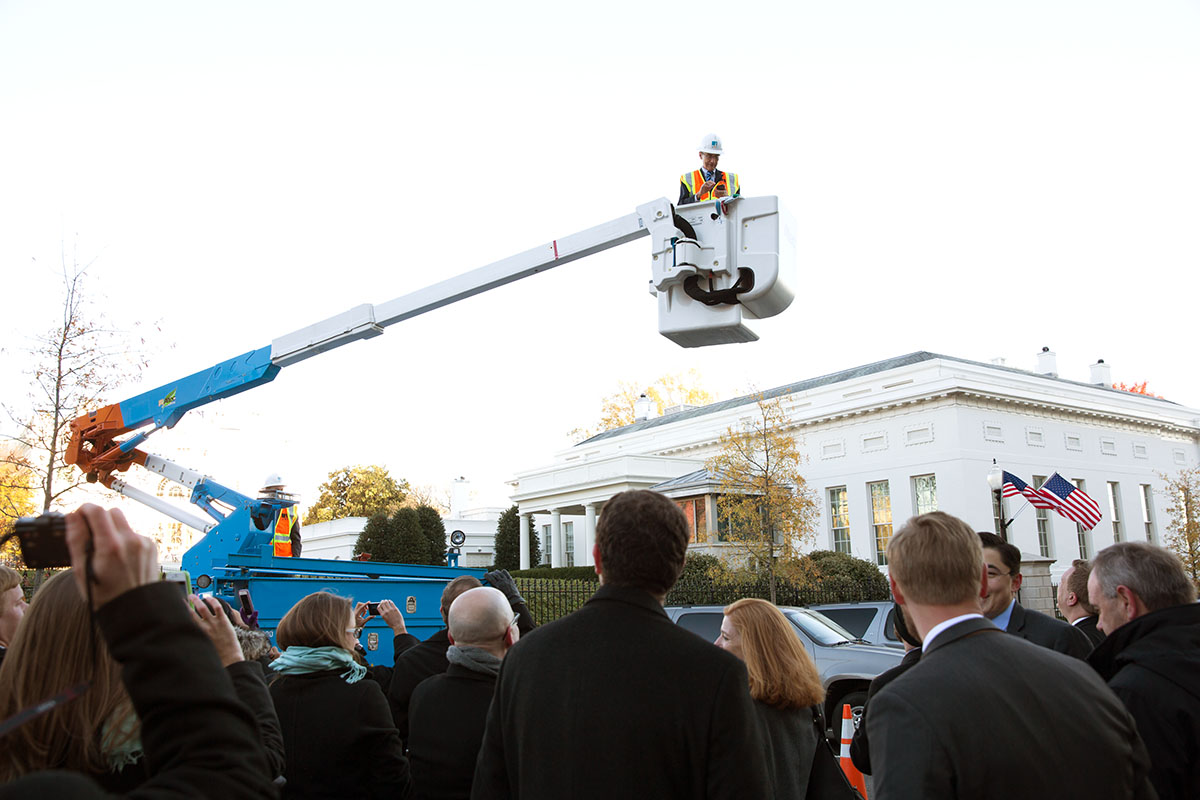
{"points": [[392, 616], [120, 559]]}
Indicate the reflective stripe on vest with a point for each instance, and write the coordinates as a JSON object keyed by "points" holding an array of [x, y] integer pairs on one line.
{"points": [[282, 540], [695, 179]]}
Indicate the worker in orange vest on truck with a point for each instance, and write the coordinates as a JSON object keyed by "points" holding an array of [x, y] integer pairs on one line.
{"points": [[285, 530], [708, 182]]}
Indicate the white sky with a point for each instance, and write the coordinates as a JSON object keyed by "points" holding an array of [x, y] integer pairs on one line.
{"points": [[973, 178]]}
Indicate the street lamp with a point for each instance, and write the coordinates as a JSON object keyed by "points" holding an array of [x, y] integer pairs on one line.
{"points": [[995, 479]]}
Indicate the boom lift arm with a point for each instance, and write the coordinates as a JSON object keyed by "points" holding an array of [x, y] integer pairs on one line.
{"points": [[713, 264]]}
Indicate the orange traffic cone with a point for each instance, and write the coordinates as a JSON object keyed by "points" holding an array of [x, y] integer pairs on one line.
{"points": [[852, 774]]}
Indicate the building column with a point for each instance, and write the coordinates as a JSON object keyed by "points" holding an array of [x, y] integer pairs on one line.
{"points": [[589, 534], [556, 536], [523, 523]]}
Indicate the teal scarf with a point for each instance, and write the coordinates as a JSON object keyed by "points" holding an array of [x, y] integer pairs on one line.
{"points": [[303, 660]]}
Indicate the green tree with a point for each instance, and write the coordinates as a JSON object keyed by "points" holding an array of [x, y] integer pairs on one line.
{"points": [[1183, 527], [412, 545], [837, 570], [378, 538], [435, 532], [357, 491], [508, 542], [767, 508], [672, 389]]}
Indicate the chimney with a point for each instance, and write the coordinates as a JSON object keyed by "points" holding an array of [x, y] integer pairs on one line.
{"points": [[1047, 363], [1102, 374], [460, 492], [643, 408]]}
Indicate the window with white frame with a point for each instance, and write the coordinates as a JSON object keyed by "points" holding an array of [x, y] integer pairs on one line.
{"points": [[925, 493], [1114, 508], [568, 544], [1082, 534], [839, 519], [1108, 446], [881, 518], [1042, 516], [1072, 441], [1148, 511], [547, 545]]}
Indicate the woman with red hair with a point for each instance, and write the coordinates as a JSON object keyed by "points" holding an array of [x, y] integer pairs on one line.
{"points": [[785, 685]]}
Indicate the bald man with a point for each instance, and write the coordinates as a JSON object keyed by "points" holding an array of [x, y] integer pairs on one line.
{"points": [[448, 712]]}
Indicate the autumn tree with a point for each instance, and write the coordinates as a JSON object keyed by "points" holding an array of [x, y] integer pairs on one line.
{"points": [[508, 542], [77, 365], [1183, 528], [426, 494], [767, 511], [16, 500], [357, 491], [673, 389], [1136, 388]]}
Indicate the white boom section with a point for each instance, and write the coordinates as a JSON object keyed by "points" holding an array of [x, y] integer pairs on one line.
{"points": [[726, 239], [366, 321], [158, 504]]}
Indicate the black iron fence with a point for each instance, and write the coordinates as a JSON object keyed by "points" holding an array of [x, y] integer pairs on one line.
{"points": [[551, 598]]}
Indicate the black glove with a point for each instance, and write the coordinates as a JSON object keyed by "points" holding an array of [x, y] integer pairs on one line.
{"points": [[500, 579]]}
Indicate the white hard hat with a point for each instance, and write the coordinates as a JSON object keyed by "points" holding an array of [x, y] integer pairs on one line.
{"points": [[711, 144], [271, 481]]}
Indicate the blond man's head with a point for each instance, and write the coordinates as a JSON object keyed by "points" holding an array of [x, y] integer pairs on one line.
{"points": [[936, 559]]}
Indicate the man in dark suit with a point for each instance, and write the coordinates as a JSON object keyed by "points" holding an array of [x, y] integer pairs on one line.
{"points": [[983, 715], [1001, 607], [1075, 605], [615, 701], [447, 713]]}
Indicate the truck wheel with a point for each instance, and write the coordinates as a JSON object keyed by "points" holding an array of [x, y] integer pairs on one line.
{"points": [[856, 701]]}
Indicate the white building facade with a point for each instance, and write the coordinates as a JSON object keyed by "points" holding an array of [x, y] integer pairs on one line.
{"points": [[896, 438]]}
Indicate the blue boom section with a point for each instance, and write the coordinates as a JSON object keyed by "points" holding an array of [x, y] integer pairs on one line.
{"points": [[165, 405]]}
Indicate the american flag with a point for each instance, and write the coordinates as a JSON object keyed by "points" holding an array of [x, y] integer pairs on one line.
{"points": [[1014, 486], [1071, 502]]}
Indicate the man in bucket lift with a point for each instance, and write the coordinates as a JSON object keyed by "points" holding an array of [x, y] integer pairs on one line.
{"points": [[708, 182], [285, 530]]}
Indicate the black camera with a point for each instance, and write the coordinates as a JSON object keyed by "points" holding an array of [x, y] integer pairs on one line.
{"points": [[43, 540], [373, 609]]}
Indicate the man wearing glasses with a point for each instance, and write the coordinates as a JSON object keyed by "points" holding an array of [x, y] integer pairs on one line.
{"points": [[1000, 604]]}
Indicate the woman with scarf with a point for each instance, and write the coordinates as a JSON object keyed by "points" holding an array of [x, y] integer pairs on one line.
{"points": [[338, 732]]}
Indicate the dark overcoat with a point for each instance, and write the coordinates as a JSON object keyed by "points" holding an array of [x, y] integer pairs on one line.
{"points": [[616, 701], [983, 715]]}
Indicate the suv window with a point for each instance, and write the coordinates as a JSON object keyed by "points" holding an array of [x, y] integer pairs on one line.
{"points": [[705, 624], [819, 628], [855, 620]]}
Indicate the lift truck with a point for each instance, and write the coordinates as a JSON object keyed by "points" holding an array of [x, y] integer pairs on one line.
{"points": [[715, 267]]}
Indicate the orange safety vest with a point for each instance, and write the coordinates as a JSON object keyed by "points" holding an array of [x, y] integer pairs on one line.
{"points": [[282, 539], [695, 179]]}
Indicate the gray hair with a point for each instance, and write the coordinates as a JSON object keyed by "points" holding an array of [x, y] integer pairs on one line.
{"points": [[1154, 573]]}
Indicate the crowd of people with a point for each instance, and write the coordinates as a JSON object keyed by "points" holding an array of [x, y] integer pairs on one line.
{"points": [[147, 694]]}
